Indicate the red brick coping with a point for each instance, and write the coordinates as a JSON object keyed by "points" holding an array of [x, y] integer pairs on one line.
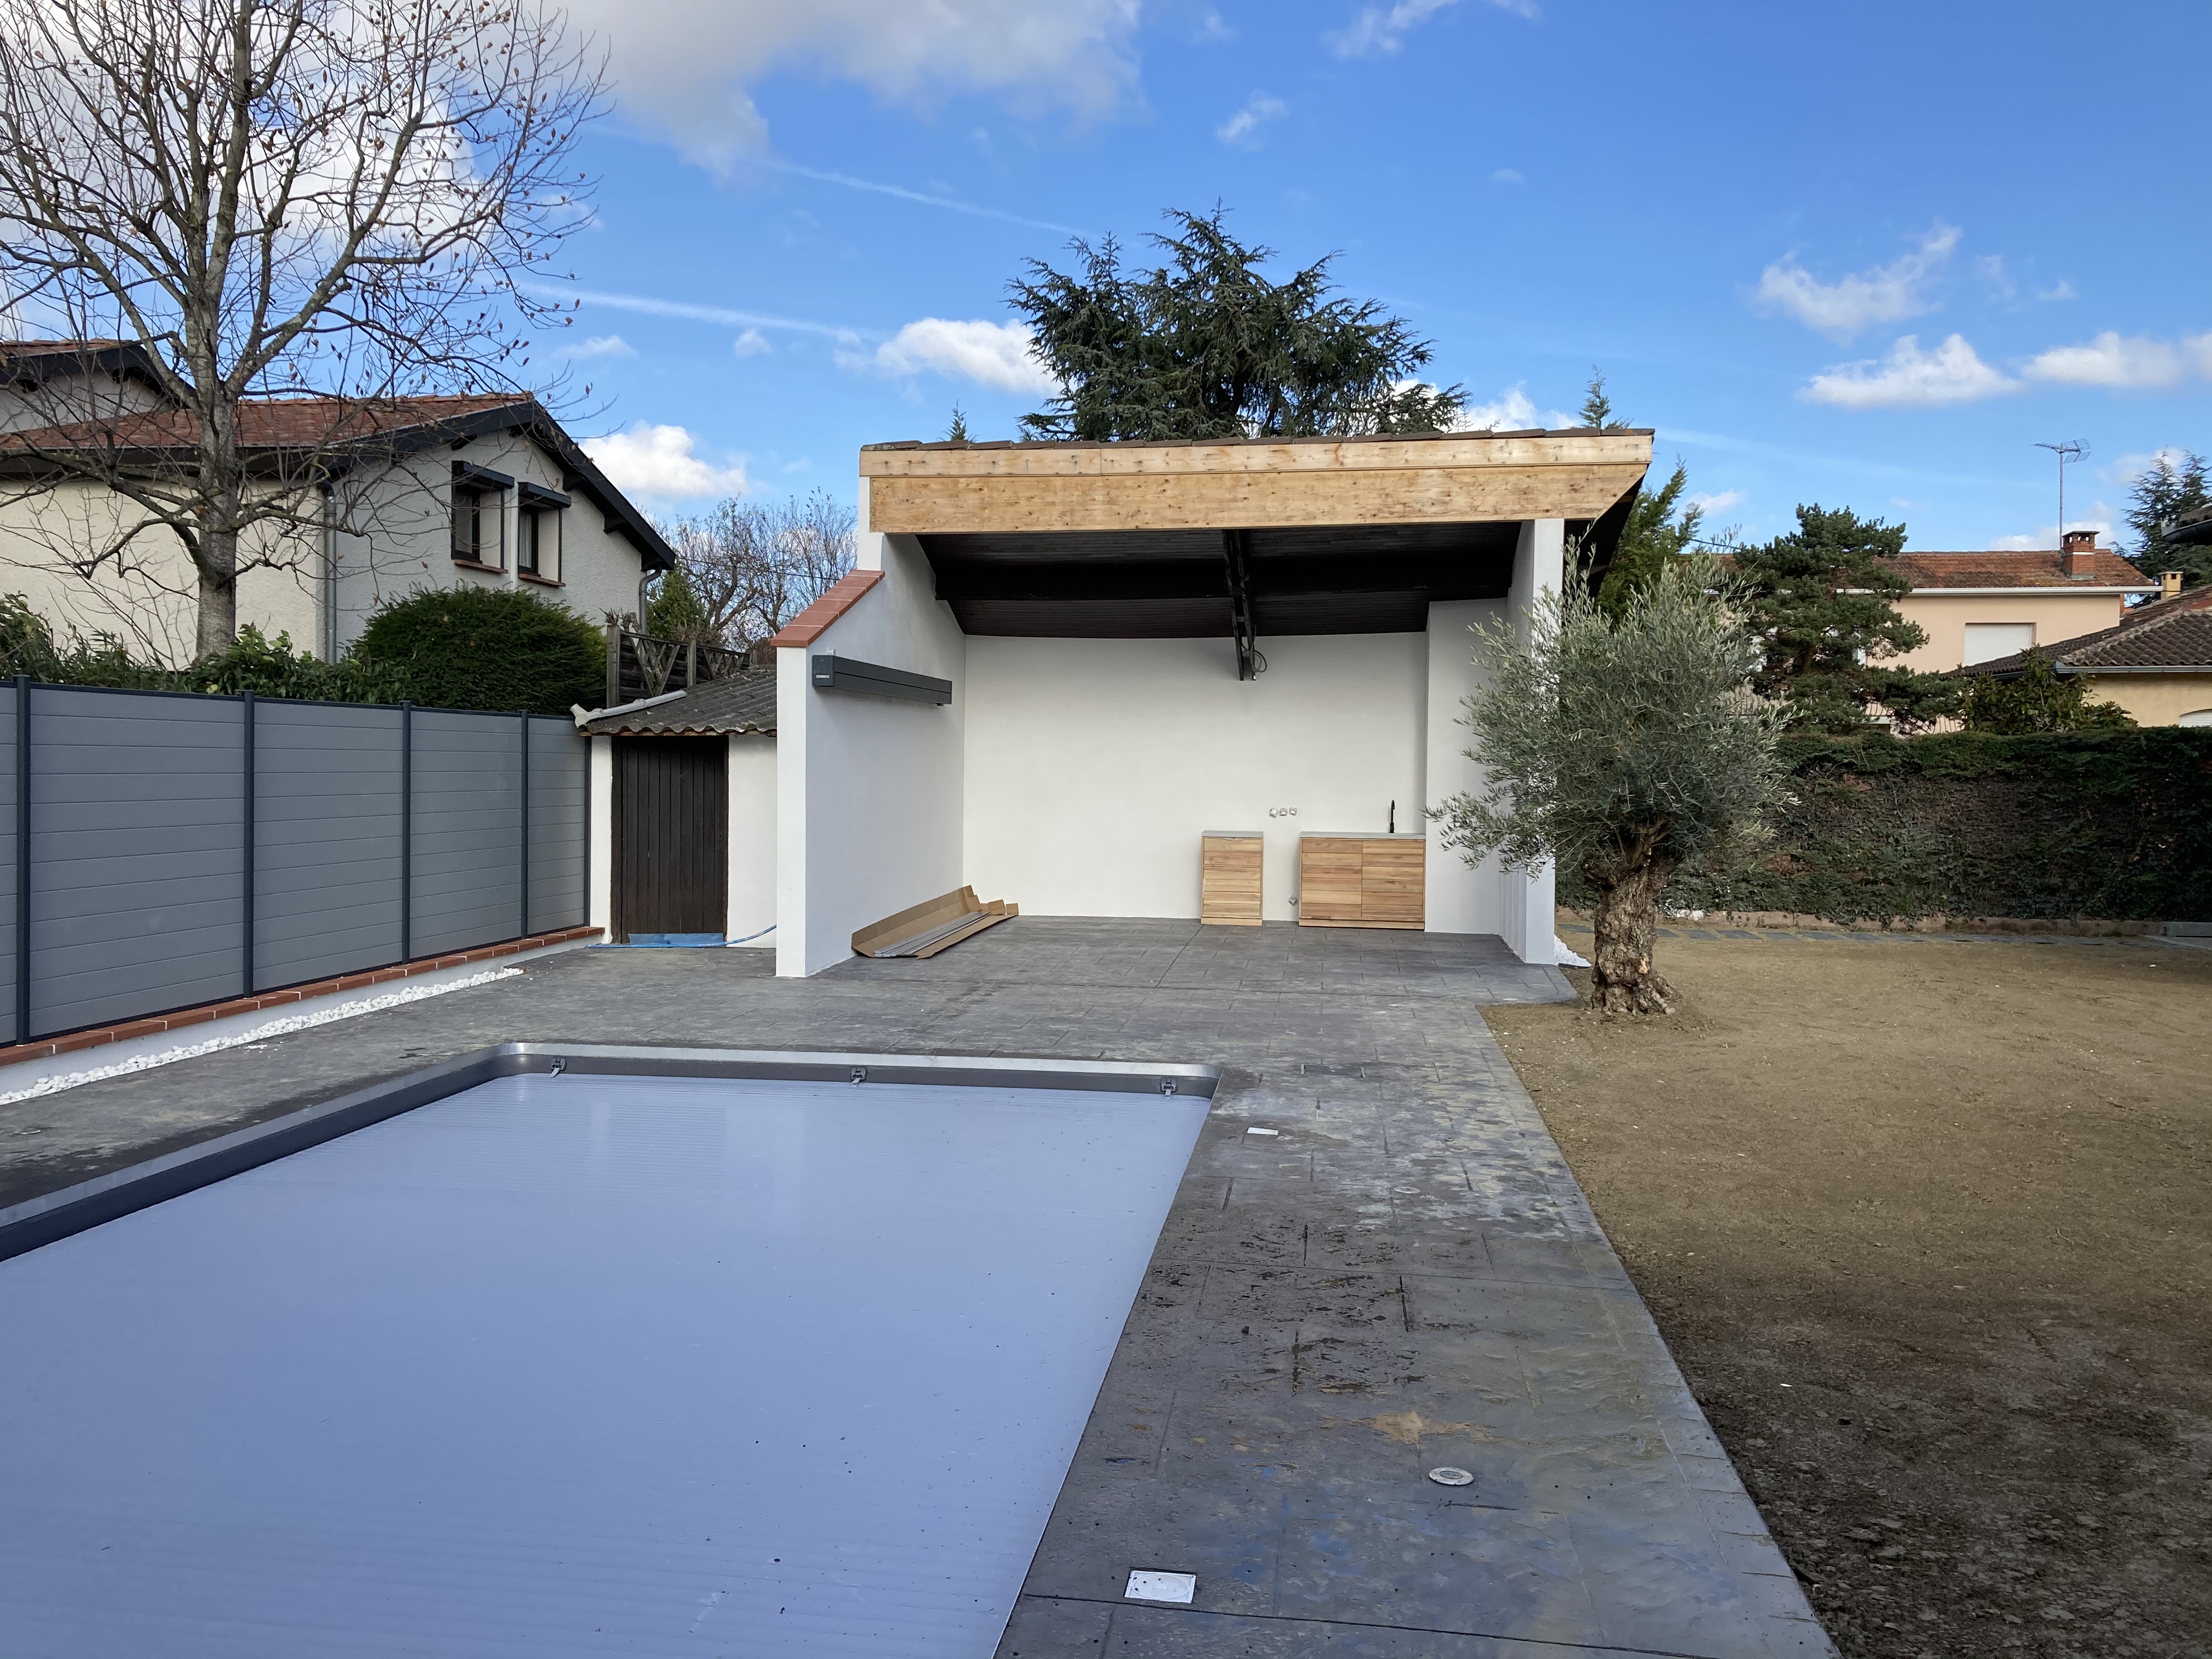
{"points": [[99, 1035], [809, 624]]}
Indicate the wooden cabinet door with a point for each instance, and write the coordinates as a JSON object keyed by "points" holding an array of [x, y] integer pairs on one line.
{"points": [[1229, 880], [1392, 876], [1329, 879]]}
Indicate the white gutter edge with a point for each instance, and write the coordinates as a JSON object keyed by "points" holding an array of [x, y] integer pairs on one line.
{"points": [[585, 716]]}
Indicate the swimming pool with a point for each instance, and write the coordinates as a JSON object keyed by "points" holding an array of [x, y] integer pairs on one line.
{"points": [[722, 1362]]}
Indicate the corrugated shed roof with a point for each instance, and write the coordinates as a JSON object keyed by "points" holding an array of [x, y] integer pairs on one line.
{"points": [[741, 702], [2172, 635]]}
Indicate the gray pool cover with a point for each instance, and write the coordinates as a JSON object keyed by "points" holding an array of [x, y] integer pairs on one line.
{"points": [[580, 1365]]}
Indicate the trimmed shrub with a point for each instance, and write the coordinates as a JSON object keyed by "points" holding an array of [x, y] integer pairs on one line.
{"points": [[2109, 825], [489, 647]]}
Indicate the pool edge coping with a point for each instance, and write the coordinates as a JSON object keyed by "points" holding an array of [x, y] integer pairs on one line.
{"points": [[54, 1216]]}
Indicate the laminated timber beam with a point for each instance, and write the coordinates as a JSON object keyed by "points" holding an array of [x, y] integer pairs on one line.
{"points": [[1455, 478]]}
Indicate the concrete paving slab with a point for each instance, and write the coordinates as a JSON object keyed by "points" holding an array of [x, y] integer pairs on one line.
{"points": [[1408, 1277]]}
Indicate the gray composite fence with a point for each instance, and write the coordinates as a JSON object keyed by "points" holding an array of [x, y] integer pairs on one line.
{"points": [[163, 849]]}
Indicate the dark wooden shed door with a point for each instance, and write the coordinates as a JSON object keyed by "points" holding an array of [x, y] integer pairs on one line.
{"points": [[671, 836]]}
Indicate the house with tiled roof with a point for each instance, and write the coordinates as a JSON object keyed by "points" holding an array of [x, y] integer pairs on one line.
{"points": [[413, 493], [1975, 607], [2156, 662]]}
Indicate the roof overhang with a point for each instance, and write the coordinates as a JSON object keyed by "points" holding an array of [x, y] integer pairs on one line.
{"points": [[1180, 540]]}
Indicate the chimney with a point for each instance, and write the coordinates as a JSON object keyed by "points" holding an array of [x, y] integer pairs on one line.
{"points": [[2169, 583], [2078, 554]]}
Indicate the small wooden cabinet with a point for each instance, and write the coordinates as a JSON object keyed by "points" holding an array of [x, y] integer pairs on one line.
{"points": [[1229, 869], [1363, 881]]}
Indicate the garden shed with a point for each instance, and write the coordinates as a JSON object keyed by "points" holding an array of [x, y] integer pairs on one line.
{"points": [[683, 812], [1060, 667]]}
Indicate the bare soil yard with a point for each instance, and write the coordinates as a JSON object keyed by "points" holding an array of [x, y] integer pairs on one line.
{"points": [[1928, 1227]]}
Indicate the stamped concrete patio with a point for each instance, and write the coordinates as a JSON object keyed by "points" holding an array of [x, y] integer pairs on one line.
{"points": [[1404, 1275]]}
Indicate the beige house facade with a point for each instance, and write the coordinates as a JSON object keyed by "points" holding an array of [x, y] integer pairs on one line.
{"points": [[1978, 607], [2156, 663], [442, 493]]}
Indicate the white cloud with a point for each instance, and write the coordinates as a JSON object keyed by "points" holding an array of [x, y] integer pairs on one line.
{"points": [[1507, 176], [2128, 468], [1842, 308], [603, 345], [2045, 540], [657, 461], [1380, 30], [1511, 411], [2063, 291], [682, 68], [750, 343], [1719, 502], [995, 354], [1258, 111], [2112, 359], [1909, 378]]}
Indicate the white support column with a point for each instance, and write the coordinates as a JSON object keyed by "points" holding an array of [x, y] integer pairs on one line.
{"points": [[1529, 897], [600, 889], [792, 707]]}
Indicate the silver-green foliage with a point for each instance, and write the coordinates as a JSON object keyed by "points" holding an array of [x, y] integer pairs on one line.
{"points": [[1608, 744]]}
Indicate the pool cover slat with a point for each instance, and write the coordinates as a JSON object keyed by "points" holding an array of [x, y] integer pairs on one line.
{"points": [[581, 1365]]}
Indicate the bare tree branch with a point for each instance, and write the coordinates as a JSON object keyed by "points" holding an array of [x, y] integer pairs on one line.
{"points": [[333, 202]]}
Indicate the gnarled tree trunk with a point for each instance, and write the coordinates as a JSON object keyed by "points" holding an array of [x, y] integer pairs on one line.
{"points": [[1622, 978]]}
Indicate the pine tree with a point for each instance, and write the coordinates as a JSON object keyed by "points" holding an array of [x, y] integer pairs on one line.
{"points": [[1823, 601], [958, 432], [1660, 530], [1205, 346], [2169, 488], [674, 611]]}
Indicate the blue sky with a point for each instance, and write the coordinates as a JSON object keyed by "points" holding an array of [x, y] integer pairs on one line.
{"points": [[1866, 255]]}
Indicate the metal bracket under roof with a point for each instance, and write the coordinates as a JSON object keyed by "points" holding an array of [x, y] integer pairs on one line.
{"points": [[1249, 660]]}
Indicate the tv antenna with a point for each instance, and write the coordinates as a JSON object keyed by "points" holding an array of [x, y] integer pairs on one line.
{"points": [[2067, 453]]}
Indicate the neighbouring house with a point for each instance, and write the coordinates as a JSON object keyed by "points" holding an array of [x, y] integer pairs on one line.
{"points": [[396, 496], [2156, 662], [1975, 607], [1062, 672]]}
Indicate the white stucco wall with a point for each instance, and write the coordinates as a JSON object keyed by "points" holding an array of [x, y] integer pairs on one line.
{"points": [[601, 893], [1094, 766], [868, 805], [1529, 909], [1461, 898], [752, 839]]}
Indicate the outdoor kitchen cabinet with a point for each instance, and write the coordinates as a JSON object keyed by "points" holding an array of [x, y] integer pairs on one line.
{"points": [[1230, 864], [1362, 881]]}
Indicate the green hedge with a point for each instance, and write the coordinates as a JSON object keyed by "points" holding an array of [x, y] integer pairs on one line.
{"points": [[489, 647], [2105, 825]]}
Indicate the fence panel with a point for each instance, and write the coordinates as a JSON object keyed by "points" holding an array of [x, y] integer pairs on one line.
{"points": [[138, 854], [10, 852], [560, 781], [468, 830], [327, 853]]}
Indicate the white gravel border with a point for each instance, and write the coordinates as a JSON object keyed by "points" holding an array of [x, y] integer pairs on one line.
{"points": [[147, 1060]]}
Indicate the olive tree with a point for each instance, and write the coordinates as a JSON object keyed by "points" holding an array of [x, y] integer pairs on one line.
{"points": [[1626, 750]]}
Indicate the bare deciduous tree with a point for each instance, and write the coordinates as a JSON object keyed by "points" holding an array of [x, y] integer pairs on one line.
{"points": [[294, 216], [753, 565]]}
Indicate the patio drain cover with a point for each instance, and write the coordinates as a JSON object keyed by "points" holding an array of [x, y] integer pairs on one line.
{"points": [[580, 1365], [1162, 1587]]}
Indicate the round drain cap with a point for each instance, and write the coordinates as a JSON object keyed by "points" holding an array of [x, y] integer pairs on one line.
{"points": [[1451, 1477]]}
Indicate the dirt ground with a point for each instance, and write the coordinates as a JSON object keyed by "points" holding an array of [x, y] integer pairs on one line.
{"points": [[1929, 1228]]}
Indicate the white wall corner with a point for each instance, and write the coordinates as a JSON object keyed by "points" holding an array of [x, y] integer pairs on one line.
{"points": [[1528, 899], [791, 710], [599, 905]]}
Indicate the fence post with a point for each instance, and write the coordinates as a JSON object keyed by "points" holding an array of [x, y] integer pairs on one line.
{"points": [[525, 934], [406, 832], [246, 902], [22, 858]]}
